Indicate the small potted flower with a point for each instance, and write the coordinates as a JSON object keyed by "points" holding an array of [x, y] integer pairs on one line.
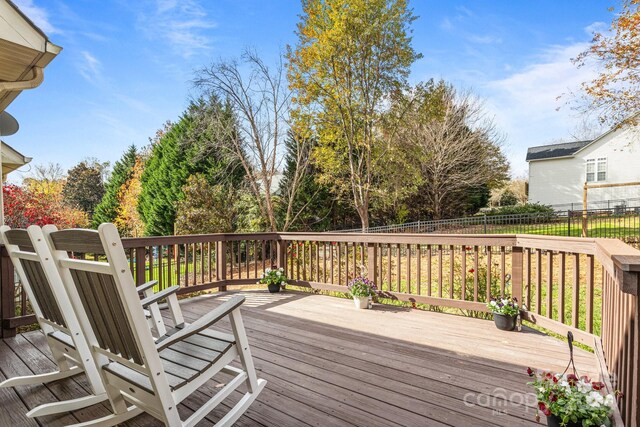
{"points": [[569, 401], [505, 311], [362, 289], [274, 278]]}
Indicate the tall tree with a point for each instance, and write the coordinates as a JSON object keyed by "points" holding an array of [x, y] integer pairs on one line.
{"points": [[260, 103], [84, 187], [107, 209], [205, 208], [454, 145], [351, 54], [127, 217], [615, 93], [181, 150]]}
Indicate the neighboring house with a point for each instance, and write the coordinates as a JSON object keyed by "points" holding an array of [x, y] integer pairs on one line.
{"points": [[558, 172]]}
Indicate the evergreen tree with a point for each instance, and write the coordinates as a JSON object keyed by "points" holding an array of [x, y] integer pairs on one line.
{"points": [[183, 150], [107, 209]]}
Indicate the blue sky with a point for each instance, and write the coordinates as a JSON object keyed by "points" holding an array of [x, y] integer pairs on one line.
{"points": [[127, 66]]}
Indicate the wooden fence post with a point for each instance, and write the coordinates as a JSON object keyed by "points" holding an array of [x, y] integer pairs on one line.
{"points": [[141, 266], [372, 263], [221, 264], [516, 273], [7, 294], [281, 255]]}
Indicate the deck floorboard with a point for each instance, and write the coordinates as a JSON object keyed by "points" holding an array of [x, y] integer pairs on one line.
{"points": [[328, 364]]}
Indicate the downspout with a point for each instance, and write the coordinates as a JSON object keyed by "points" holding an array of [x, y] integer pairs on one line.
{"points": [[38, 77]]}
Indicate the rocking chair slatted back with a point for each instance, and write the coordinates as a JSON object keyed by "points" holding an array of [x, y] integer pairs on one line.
{"points": [[99, 293]]}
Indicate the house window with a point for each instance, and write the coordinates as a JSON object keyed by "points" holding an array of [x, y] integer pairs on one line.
{"points": [[597, 169]]}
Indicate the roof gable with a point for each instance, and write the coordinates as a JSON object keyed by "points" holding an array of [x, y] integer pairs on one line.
{"points": [[554, 151]]}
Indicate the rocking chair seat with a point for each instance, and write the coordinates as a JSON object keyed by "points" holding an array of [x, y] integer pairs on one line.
{"points": [[183, 361]]}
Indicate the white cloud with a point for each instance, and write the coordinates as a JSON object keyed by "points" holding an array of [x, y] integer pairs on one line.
{"points": [[526, 104], [486, 39], [90, 67], [38, 15], [182, 24]]}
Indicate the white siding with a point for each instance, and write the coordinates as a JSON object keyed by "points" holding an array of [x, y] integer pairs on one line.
{"points": [[559, 181], [556, 181]]}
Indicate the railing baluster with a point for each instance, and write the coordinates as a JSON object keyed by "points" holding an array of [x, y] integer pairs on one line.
{"points": [[389, 266], [476, 264], [589, 301], [429, 266], [503, 263], [399, 268], [489, 274], [538, 281], [452, 265], [418, 268], [528, 284], [339, 244], [550, 284], [575, 309], [463, 268], [440, 271], [561, 286], [408, 269]]}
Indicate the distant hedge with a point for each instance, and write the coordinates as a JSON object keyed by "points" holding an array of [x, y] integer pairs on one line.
{"points": [[527, 208]]}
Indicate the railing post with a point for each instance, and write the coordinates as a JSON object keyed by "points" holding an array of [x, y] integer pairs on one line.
{"points": [[281, 254], [634, 400], [141, 265], [221, 264], [516, 273], [7, 294], [372, 262]]}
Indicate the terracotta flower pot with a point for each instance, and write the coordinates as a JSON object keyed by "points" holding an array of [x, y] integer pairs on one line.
{"points": [[504, 322]]}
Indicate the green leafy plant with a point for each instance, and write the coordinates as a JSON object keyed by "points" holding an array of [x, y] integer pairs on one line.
{"points": [[273, 276], [504, 305], [572, 399], [362, 287]]}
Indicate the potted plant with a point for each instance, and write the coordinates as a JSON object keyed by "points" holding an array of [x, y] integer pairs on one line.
{"points": [[274, 278], [361, 289], [569, 401], [505, 311]]}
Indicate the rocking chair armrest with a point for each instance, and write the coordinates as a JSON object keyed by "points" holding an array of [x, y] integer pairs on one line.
{"points": [[150, 284], [154, 298], [202, 323]]}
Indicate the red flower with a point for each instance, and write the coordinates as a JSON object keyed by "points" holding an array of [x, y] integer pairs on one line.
{"points": [[572, 379], [585, 378], [555, 379], [552, 397], [597, 385], [544, 409], [530, 372]]}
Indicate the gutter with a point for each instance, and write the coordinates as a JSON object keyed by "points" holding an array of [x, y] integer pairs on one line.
{"points": [[35, 81]]}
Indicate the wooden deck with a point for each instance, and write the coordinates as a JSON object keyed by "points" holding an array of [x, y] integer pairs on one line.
{"points": [[328, 364]]}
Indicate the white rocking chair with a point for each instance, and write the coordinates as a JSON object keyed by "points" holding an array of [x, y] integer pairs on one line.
{"points": [[139, 373], [53, 310]]}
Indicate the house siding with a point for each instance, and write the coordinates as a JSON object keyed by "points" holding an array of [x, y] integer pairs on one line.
{"points": [[560, 181]]}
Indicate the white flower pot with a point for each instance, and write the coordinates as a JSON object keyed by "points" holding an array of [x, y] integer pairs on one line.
{"points": [[361, 302]]}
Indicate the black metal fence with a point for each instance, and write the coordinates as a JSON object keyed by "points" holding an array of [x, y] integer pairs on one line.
{"points": [[621, 222]]}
